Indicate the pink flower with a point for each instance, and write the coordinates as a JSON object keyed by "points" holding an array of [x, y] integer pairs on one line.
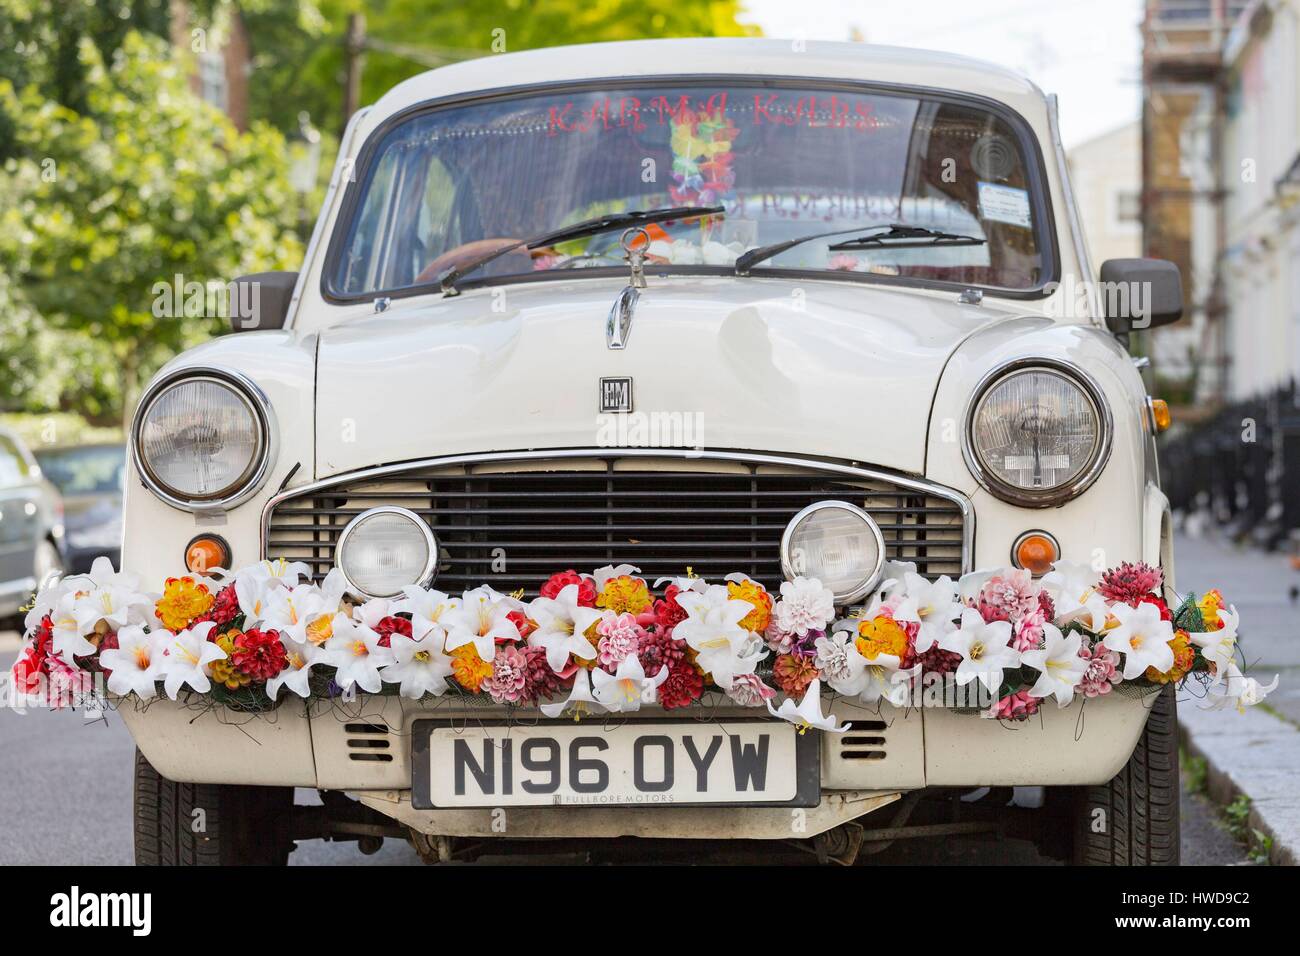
{"points": [[781, 641], [1008, 597], [1129, 583], [620, 637], [1103, 670], [1017, 706], [509, 675], [748, 690], [1028, 631]]}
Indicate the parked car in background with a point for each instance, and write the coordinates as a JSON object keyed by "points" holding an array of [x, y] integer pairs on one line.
{"points": [[31, 526], [90, 479]]}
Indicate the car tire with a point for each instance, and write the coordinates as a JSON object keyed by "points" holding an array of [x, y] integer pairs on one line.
{"points": [[206, 824], [1134, 819]]}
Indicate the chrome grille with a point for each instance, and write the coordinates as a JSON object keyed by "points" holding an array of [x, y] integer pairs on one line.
{"points": [[513, 522]]}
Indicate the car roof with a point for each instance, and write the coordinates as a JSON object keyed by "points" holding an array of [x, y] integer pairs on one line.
{"points": [[726, 56]]}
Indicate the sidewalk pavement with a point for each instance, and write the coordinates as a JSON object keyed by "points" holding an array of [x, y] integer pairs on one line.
{"points": [[1256, 753]]}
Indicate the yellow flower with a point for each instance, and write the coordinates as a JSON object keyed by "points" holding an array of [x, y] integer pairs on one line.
{"points": [[881, 635], [321, 630], [469, 669], [1209, 605], [223, 671], [753, 592], [624, 594], [1184, 656], [183, 600]]}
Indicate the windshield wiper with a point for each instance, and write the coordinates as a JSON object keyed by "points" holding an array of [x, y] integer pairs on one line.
{"points": [[578, 230], [897, 236]]}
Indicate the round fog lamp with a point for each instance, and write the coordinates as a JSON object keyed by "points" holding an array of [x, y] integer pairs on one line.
{"points": [[838, 544], [384, 549]]}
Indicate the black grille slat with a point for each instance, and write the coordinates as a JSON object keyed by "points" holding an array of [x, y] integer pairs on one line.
{"points": [[571, 515]]}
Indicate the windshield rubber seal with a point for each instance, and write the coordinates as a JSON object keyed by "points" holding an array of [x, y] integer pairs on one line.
{"points": [[1036, 168]]}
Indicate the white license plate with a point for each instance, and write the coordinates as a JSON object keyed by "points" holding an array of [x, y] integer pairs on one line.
{"points": [[638, 763]]}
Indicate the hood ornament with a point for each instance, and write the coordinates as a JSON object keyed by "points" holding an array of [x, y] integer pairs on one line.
{"points": [[619, 324]]}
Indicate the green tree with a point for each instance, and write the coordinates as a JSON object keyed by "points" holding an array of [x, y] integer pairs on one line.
{"points": [[96, 209]]}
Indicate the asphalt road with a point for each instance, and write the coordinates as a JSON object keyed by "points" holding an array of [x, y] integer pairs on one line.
{"points": [[66, 793]]}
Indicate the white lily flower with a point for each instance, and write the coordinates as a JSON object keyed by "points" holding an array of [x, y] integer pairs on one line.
{"points": [[712, 629], [356, 652], [893, 575], [47, 599], [1219, 647], [562, 625], [420, 667], [805, 605], [971, 583], [580, 698], [301, 657], [628, 687], [610, 571], [253, 593], [1060, 668], [293, 610], [985, 650], [1073, 590], [427, 608], [185, 658], [688, 583], [932, 605], [275, 572], [136, 663], [69, 636], [1142, 637], [808, 714], [1239, 690]]}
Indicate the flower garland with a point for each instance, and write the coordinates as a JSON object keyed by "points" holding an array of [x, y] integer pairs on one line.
{"points": [[607, 642]]}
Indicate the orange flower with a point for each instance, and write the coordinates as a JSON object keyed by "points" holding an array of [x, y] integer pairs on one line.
{"points": [[468, 668], [183, 600], [624, 594], [1209, 605], [321, 630], [1184, 656], [881, 635], [753, 592], [223, 671]]}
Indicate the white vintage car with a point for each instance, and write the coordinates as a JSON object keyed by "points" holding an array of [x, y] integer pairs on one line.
{"points": [[718, 305]]}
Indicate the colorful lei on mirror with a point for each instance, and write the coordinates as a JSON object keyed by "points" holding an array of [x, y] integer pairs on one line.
{"points": [[610, 642]]}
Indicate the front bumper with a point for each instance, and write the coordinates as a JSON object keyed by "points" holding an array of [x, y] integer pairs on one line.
{"points": [[364, 748]]}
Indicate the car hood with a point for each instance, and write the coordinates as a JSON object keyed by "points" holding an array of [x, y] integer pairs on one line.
{"points": [[836, 369]]}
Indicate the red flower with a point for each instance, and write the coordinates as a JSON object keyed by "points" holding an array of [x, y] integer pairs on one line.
{"points": [[540, 682], [1165, 613], [668, 613], [259, 654], [659, 649], [1129, 583], [523, 623], [683, 686], [28, 671], [558, 582], [389, 626], [225, 608]]}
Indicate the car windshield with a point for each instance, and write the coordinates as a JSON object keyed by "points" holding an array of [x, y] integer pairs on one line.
{"points": [[88, 470], [448, 185]]}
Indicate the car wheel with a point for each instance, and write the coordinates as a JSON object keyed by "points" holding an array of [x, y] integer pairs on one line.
{"points": [[1134, 819], [206, 824], [48, 563]]}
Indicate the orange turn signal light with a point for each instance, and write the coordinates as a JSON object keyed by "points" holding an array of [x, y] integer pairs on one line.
{"points": [[1035, 551], [206, 552], [1160, 414]]}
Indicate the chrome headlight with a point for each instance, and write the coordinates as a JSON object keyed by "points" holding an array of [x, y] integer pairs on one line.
{"points": [[838, 544], [1038, 433], [203, 438], [384, 549]]}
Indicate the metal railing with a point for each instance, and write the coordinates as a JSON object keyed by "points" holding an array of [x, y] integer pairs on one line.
{"points": [[1241, 468]]}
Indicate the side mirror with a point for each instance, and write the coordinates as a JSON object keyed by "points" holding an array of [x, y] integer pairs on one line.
{"points": [[1140, 293], [261, 300]]}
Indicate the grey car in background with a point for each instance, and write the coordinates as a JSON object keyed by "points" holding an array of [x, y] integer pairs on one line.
{"points": [[90, 479], [31, 525]]}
